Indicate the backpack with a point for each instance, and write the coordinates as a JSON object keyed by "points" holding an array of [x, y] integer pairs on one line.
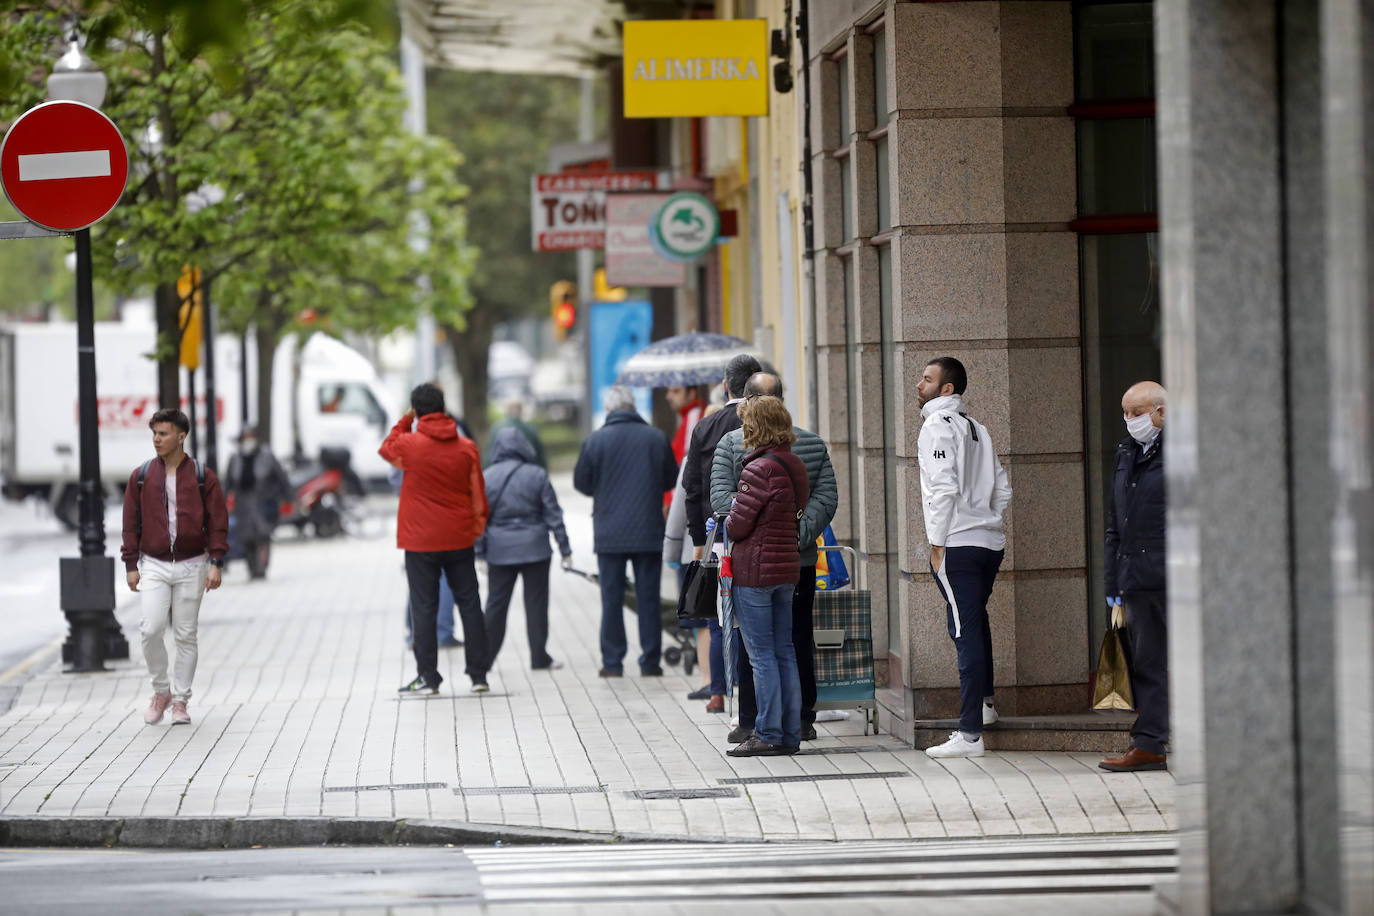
{"points": [[200, 485]]}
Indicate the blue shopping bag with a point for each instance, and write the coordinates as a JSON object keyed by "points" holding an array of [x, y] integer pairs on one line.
{"points": [[830, 569]]}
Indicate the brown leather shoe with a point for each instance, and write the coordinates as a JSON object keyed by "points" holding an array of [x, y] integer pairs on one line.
{"points": [[717, 704], [1135, 761]]}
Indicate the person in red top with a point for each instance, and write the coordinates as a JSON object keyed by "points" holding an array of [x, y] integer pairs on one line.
{"points": [[442, 513], [176, 533], [689, 406]]}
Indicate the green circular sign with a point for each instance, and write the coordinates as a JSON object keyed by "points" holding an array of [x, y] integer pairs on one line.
{"points": [[685, 227]]}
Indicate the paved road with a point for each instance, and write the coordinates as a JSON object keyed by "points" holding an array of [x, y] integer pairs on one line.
{"points": [[1061, 877], [31, 542]]}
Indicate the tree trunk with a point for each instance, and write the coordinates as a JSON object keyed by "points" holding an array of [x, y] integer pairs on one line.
{"points": [[470, 348], [267, 335], [166, 301]]}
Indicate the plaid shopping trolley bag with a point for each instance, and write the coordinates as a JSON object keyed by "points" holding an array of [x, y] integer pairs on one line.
{"points": [[844, 646]]}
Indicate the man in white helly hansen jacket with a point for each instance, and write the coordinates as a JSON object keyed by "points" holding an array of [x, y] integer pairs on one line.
{"points": [[964, 494]]}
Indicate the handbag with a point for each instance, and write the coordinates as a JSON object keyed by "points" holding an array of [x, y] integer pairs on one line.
{"points": [[1113, 687], [699, 585]]}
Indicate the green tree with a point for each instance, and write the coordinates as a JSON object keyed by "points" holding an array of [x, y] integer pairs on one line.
{"points": [[504, 125], [322, 184]]}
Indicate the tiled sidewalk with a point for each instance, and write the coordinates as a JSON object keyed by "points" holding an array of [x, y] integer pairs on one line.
{"points": [[296, 715]]}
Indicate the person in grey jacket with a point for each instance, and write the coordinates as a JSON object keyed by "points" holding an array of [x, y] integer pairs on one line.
{"points": [[820, 509], [625, 467], [515, 544]]}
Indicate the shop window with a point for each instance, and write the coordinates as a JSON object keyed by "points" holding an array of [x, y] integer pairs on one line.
{"points": [[1118, 243]]}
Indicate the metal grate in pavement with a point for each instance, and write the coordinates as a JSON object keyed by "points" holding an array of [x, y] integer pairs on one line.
{"points": [[530, 790], [710, 792], [818, 777], [853, 749], [388, 787]]}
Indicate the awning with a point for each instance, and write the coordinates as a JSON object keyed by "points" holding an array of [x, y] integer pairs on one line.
{"points": [[558, 37]]}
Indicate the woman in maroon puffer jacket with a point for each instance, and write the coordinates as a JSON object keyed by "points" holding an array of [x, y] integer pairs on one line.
{"points": [[773, 487]]}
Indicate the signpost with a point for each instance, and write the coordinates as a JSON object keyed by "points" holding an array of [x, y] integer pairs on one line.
{"points": [[685, 227], [631, 259], [64, 165], [568, 210]]}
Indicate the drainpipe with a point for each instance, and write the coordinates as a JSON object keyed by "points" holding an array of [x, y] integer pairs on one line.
{"points": [[808, 222]]}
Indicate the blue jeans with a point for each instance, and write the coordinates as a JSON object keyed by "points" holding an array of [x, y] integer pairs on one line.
{"points": [[648, 571], [765, 622]]}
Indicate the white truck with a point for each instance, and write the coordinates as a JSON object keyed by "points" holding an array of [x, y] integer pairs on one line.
{"points": [[338, 401]]}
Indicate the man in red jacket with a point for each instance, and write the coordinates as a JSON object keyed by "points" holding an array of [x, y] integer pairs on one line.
{"points": [[176, 533], [443, 511]]}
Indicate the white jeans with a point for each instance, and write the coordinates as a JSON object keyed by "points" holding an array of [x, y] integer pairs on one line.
{"points": [[171, 592]]}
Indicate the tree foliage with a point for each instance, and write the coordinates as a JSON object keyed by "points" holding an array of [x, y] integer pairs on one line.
{"points": [[321, 185], [504, 125]]}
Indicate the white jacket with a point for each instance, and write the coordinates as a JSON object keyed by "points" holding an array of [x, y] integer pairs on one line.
{"points": [[964, 489]]}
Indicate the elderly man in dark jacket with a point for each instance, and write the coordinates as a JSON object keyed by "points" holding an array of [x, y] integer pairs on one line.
{"points": [[625, 466], [524, 512], [820, 509], [1135, 573]]}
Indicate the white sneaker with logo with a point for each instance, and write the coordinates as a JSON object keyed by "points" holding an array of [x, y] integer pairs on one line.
{"points": [[989, 714], [957, 746]]}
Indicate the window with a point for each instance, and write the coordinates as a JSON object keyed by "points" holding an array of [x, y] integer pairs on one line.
{"points": [[881, 182], [847, 195], [351, 399], [890, 382], [1118, 244]]}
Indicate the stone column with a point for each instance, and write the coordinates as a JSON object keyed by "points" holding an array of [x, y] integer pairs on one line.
{"points": [[1342, 828], [1230, 581], [984, 179]]}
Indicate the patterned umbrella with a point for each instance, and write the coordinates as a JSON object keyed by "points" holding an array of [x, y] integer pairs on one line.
{"points": [[687, 359]]}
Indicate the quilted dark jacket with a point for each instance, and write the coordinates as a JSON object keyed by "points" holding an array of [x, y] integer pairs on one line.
{"points": [[763, 523], [1136, 521], [624, 467]]}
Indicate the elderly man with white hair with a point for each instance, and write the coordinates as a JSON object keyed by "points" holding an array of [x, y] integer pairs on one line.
{"points": [[625, 467], [1136, 577]]}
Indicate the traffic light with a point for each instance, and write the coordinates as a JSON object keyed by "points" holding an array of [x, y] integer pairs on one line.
{"points": [[563, 305]]}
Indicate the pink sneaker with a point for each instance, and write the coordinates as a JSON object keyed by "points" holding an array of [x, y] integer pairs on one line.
{"points": [[179, 714], [156, 708]]}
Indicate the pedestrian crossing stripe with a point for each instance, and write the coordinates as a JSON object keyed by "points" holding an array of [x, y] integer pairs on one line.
{"points": [[1078, 866]]}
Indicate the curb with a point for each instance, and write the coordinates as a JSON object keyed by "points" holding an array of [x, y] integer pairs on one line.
{"points": [[249, 832]]}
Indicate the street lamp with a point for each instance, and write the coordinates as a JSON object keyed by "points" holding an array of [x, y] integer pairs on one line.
{"points": [[88, 581]]}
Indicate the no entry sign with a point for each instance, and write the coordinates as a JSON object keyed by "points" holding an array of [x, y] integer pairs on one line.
{"points": [[63, 165]]}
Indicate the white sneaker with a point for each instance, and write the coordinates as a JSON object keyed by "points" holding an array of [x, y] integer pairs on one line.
{"points": [[989, 714], [481, 687], [957, 746]]}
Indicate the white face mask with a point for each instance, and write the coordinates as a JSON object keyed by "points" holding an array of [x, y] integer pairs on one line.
{"points": [[1141, 428]]}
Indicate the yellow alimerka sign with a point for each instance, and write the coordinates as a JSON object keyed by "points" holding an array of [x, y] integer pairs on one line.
{"points": [[696, 68]]}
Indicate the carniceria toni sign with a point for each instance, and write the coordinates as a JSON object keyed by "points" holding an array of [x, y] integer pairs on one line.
{"points": [[696, 68]]}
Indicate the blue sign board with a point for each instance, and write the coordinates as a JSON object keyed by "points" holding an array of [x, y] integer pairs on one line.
{"points": [[619, 330]]}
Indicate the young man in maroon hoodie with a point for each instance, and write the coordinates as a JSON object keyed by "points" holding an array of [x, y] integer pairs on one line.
{"points": [[176, 533], [442, 513]]}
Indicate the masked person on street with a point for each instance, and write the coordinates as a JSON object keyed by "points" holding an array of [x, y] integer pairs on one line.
{"points": [[176, 531], [256, 484], [443, 511], [515, 544], [1136, 575], [964, 495], [763, 528]]}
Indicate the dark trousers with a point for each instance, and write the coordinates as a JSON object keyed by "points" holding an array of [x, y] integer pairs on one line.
{"points": [[1147, 653], [965, 580], [500, 586], [648, 569], [717, 659], [423, 569], [803, 640]]}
